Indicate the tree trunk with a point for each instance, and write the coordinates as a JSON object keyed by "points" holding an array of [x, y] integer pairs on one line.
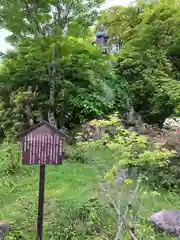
{"points": [[29, 114], [52, 88], [52, 84]]}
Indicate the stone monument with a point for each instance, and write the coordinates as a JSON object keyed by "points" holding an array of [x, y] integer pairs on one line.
{"points": [[102, 38]]}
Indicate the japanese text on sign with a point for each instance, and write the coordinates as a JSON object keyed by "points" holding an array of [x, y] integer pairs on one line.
{"points": [[42, 149]]}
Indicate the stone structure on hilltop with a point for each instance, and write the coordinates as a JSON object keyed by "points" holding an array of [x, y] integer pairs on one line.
{"points": [[109, 45], [102, 39]]}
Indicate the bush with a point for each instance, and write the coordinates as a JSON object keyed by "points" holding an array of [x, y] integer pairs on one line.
{"points": [[15, 233], [173, 141], [85, 220], [10, 159], [86, 85], [77, 217], [78, 154], [130, 151], [166, 176]]}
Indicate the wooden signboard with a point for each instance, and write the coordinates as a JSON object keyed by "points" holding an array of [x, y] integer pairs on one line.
{"points": [[42, 145]]}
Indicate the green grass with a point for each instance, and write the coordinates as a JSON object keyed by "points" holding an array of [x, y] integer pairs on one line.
{"points": [[70, 183], [19, 194]]}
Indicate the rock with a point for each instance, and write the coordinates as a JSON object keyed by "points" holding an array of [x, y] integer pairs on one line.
{"points": [[121, 175], [167, 221], [79, 139], [140, 126], [92, 132], [125, 173], [134, 120], [130, 117], [171, 124], [4, 229]]}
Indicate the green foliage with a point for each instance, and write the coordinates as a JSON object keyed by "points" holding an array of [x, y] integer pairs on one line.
{"points": [[125, 165], [53, 72], [136, 163], [85, 85], [129, 149], [15, 233], [149, 57], [159, 167], [165, 176], [24, 18], [9, 159], [78, 221], [78, 154], [75, 207]]}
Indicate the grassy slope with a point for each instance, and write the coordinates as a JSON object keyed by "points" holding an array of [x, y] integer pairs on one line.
{"points": [[69, 182], [19, 195]]}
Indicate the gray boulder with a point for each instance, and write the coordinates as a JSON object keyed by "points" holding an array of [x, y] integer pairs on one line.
{"points": [[167, 221], [125, 173], [92, 132], [171, 124], [130, 117], [4, 229]]}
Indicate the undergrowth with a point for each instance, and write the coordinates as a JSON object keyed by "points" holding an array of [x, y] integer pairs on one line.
{"points": [[76, 205]]}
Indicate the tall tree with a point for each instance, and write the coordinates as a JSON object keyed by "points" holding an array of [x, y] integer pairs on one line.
{"points": [[119, 21], [43, 19], [33, 18], [85, 85], [149, 58]]}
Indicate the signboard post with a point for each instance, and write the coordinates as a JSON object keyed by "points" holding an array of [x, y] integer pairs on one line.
{"points": [[42, 144], [41, 203]]}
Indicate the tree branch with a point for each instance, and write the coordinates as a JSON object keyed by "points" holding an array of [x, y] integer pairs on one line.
{"points": [[62, 20], [120, 219], [32, 19], [68, 13]]}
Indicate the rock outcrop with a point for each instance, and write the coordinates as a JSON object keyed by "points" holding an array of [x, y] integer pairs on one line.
{"points": [[92, 131], [167, 221], [171, 124]]}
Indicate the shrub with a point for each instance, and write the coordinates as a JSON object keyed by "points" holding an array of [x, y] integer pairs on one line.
{"points": [[9, 159], [79, 155], [86, 85], [127, 202], [15, 233], [166, 176], [173, 141], [130, 151], [80, 220]]}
